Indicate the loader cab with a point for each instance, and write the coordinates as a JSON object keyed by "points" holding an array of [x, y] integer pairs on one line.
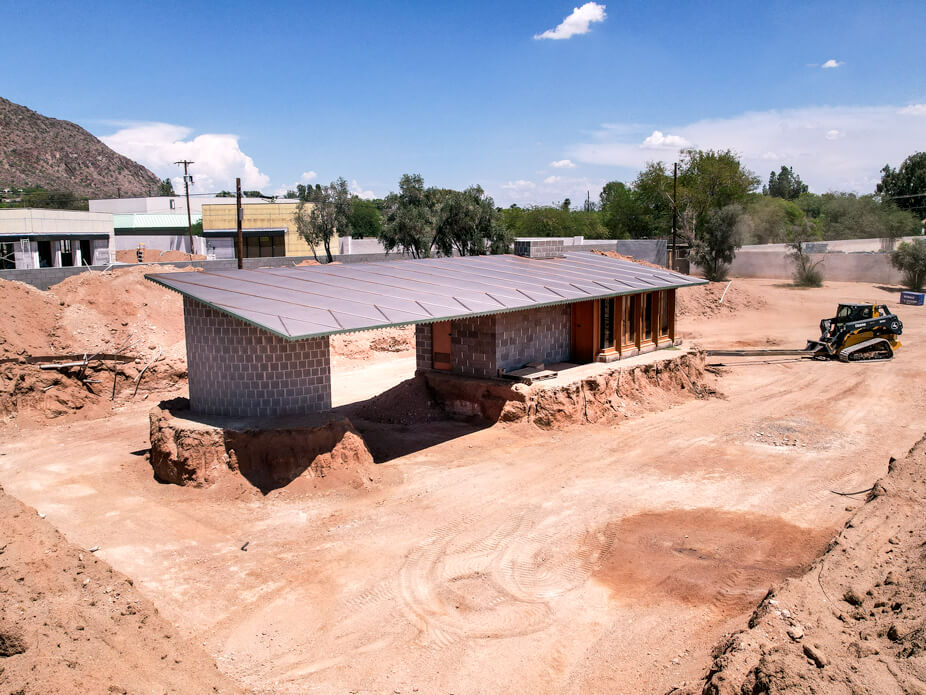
{"points": [[847, 313]]}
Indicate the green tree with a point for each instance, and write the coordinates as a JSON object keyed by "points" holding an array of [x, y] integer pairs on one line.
{"points": [[365, 219], [786, 184], [653, 190], [545, 221], [848, 216], [715, 247], [772, 220], [52, 200], [408, 218], [587, 223], [712, 180], [910, 259], [906, 186], [166, 187], [467, 222], [623, 214], [330, 216]]}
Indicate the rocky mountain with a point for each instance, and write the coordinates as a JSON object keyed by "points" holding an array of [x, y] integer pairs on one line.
{"points": [[59, 155]]}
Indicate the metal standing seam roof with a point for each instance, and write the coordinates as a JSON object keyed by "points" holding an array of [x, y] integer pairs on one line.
{"points": [[311, 301]]}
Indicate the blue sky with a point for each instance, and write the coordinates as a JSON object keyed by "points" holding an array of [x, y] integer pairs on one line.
{"points": [[464, 93]]}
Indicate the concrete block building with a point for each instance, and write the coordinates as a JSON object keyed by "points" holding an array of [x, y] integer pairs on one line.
{"points": [[257, 340], [269, 229], [37, 238]]}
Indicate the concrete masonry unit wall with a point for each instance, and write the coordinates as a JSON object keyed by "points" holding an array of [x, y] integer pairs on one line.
{"points": [[239, 370], [482, 345], [836, 267]]}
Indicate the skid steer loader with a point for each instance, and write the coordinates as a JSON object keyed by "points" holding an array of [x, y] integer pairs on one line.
{"points": [[857, 333]]}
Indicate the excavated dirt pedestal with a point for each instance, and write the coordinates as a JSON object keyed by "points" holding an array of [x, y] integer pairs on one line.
{"points": [[269, 453], [609, 394]]}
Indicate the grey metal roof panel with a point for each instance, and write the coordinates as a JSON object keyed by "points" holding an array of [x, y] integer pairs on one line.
{"points": [[310, 301]]}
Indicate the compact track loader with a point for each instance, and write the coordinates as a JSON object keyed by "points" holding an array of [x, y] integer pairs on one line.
{"points": [[858, 333]]}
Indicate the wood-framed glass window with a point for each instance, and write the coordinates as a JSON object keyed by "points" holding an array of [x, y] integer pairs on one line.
{"points": [[607, 324], [649, 311], [629, 320], [666, 313]]}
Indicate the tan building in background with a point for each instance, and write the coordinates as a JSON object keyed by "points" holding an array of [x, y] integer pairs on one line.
{"points": [[268, 229]]}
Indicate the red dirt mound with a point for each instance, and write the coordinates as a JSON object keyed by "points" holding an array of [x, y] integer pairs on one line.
{"points": [[703, 301], [88, 313], [622, 257], [70, 624], [359, 346], [608, 397], [856, 621], [156, 256], [299, 454]]}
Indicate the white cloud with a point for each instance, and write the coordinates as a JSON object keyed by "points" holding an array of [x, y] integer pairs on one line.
{"points": [[563, 164], [217, 158], [307, 176], [659, 141], [834, 134], [796, 137], [356, 189], [831, 63], [551, 191], [913, 110], [579, 22], [519, 185]]}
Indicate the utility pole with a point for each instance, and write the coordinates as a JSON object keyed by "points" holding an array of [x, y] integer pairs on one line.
{"points": [[186, 185], [674, 213], [239, 214]]}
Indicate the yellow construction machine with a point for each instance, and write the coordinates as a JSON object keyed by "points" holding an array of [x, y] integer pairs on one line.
{"points": [[858, 333]]}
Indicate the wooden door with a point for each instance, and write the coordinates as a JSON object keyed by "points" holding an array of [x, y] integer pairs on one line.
{"points": [[441, 345], [583, 332]]}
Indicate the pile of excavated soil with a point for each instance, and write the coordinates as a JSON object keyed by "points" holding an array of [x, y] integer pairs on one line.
{"points": [[70, 624], [359, 346], [156, 256], [407, 403], [27, 320], [608, 397], [856, 621], [622, 257], [298, 454], [703, 301], [86, 314]]}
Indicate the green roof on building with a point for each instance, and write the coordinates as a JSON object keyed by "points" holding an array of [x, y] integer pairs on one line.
{"points": [[144, 221]]}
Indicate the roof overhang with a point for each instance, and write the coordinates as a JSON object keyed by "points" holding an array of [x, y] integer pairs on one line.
{"points": [[272, 231], [53, 236], [303, 302]]}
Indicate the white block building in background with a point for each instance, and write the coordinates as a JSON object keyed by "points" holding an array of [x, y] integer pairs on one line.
{"points": [[34, 238], [164, 205]]}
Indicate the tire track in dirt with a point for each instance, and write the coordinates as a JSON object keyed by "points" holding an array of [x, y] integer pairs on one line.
{"points": [[494, 578]]}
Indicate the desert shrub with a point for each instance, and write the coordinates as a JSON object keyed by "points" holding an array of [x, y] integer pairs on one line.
{"points": [[910, 259], [807, 272]]}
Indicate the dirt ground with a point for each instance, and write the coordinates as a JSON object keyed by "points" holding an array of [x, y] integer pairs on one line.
{"points": [[591, 559], [856, 622], [70, 624]]}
